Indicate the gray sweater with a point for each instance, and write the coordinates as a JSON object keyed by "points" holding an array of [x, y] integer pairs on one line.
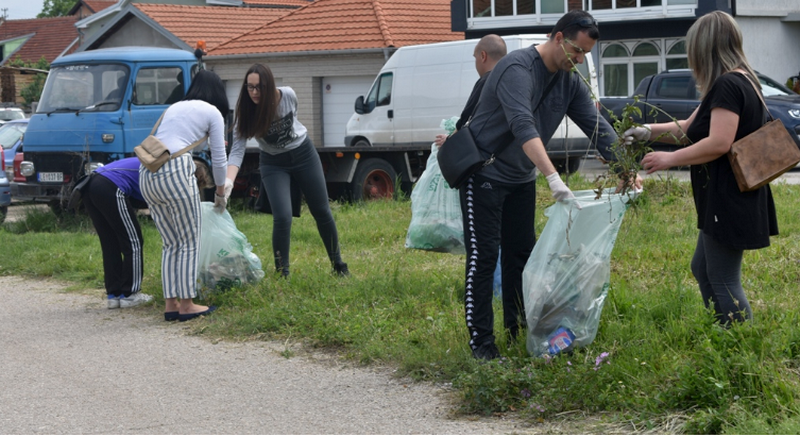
{"points": [[504, 113]]}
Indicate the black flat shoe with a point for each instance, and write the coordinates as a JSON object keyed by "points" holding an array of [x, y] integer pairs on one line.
{"points": [[171, 316], [185, 317]]}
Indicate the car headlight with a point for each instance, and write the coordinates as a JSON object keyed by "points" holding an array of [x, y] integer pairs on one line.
{"points": [[794, 113], [91, 166], [26, 168]]}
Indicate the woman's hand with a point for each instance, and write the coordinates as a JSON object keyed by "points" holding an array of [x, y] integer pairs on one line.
{"points": [[655, 161]]}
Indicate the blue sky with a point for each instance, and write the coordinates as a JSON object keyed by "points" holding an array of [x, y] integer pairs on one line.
{"points": [[19, 9]]}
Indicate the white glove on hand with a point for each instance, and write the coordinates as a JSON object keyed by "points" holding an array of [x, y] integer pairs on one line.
{"points": [[228, 188], [639, 133], [220, 202], [559, 188]]}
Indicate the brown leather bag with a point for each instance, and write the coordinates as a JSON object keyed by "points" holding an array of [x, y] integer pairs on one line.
{"points": [[765, 154]]}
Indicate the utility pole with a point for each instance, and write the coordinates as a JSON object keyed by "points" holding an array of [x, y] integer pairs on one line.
{"points": [[5, 13]]}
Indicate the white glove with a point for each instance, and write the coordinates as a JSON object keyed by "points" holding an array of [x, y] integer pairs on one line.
{"points": [[559, 188], [639, 133], [220, 202], [228, 188]]}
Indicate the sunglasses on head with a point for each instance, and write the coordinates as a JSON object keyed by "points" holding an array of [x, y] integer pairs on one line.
{"points": [[585, 22]]}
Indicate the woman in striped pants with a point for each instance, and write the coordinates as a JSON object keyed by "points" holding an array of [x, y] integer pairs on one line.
{"points": [[172, 194]]}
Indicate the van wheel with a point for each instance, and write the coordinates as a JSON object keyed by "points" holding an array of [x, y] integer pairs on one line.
{"points": [[362, 143], [567, 165], [374, 179]]}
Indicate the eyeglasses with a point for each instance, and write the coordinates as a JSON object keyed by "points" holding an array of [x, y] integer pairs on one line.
{"points": [[585, 22], [578, 50], [253, 88]]}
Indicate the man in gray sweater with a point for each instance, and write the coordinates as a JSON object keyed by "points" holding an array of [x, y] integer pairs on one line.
{"points": [[498, 202]]}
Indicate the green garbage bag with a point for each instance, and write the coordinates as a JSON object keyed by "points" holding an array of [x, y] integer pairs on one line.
{"points": [[566, 278], [435, 212], [226, 258]]}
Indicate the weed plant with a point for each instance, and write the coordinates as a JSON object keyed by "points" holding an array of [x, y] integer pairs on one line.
{"points": [[658, 363]]}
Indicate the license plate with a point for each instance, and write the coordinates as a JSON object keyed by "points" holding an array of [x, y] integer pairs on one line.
{"points": [[51, 177]]}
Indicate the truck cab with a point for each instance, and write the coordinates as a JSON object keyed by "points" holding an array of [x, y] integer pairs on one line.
{"points": [[96, 107]]}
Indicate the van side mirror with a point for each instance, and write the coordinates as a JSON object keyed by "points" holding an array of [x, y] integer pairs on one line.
{"points": [[360, 105]]}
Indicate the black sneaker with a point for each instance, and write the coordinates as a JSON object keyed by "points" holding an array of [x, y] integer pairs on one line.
{"points": [[487, 352], [340, 269]]}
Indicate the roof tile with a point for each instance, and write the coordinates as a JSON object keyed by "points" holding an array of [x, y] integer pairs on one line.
{"points": [[212, 24], [51, 36], [348, 25]]}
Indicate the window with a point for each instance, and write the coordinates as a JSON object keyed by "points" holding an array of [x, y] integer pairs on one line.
{"points": [[676, 57], [380, 94], [625, 63], [158, 86], [85, 87], [674, 87], [615, 70]]}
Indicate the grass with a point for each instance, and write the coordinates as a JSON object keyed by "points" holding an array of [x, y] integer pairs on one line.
{"points": [[668, 368]]}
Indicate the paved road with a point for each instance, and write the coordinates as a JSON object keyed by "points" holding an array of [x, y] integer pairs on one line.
{"points": [[70, 366]]}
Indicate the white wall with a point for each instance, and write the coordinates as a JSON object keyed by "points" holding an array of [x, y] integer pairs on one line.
{"points": [[138, 33], [771, 46]]}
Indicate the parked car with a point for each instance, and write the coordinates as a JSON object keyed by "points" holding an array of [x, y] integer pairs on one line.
{"points": [[5, 189], [674, 92], [8, 114], [11, 135]]}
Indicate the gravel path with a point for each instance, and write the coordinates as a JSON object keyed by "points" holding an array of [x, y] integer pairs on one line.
{"points": [[68, 365]]}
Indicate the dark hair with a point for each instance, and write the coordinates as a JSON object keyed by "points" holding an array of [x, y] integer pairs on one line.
{"points": [[208, 87], [576, 21], [253, 120]]}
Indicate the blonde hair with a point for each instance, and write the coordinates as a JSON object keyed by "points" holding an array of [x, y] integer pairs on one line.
{"points": [[714, 47]]}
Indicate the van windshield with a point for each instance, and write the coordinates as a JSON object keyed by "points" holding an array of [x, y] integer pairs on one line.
{"points": [[84, 87]]}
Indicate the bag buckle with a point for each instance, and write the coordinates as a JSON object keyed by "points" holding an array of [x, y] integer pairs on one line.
{"points": [[489, 161]]}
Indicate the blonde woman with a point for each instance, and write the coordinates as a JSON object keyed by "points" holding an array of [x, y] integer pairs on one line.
{"points": [[729, 221]]}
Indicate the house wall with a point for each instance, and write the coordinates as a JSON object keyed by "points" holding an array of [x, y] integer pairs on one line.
{"points": [[768, 44], [304, 75], [137, 31], [767, 8]]}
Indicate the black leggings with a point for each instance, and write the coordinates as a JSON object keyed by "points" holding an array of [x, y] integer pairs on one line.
{"points": [[718, 270], [304, 166]]}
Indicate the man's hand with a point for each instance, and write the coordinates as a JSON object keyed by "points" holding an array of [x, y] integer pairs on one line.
{"points": [[228, 188], [639, 133], [559, 188]]}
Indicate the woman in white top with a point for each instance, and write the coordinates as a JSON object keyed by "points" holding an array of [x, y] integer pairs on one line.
{"points": [[269, 114], [172, 193]]}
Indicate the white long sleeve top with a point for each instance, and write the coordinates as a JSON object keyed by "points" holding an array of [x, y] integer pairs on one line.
{"points": [[186, 122]]}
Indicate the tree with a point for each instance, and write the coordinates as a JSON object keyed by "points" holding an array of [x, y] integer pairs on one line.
{"points": [[56, 8]]}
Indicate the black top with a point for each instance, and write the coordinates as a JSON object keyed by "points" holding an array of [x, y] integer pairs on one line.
{"points": [[739, 220], [472, 101]]}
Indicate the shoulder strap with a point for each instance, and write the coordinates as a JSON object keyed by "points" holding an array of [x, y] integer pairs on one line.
{"points": [[185, 149], [758, 93], [503, 146], [189, 147]]}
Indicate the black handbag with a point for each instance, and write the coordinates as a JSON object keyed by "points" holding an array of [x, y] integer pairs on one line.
{"points": [[460, 157], [77, 191]]}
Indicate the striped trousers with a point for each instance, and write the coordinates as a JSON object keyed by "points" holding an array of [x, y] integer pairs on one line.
{"points": [[174, 202]]}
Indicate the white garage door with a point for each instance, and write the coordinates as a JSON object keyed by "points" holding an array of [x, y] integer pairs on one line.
{"points": [[338, 98]]}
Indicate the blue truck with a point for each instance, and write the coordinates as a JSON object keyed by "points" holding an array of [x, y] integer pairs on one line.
{"points": [[96, 107]]}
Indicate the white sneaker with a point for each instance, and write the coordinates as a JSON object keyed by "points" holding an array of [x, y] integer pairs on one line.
{"points": [[134, 300], [113, 302]]}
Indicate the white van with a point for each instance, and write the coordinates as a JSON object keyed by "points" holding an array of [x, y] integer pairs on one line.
{"points": [[423, 84]]}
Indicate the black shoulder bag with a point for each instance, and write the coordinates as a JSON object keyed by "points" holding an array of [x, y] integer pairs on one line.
{"points": [[459, 157]]}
